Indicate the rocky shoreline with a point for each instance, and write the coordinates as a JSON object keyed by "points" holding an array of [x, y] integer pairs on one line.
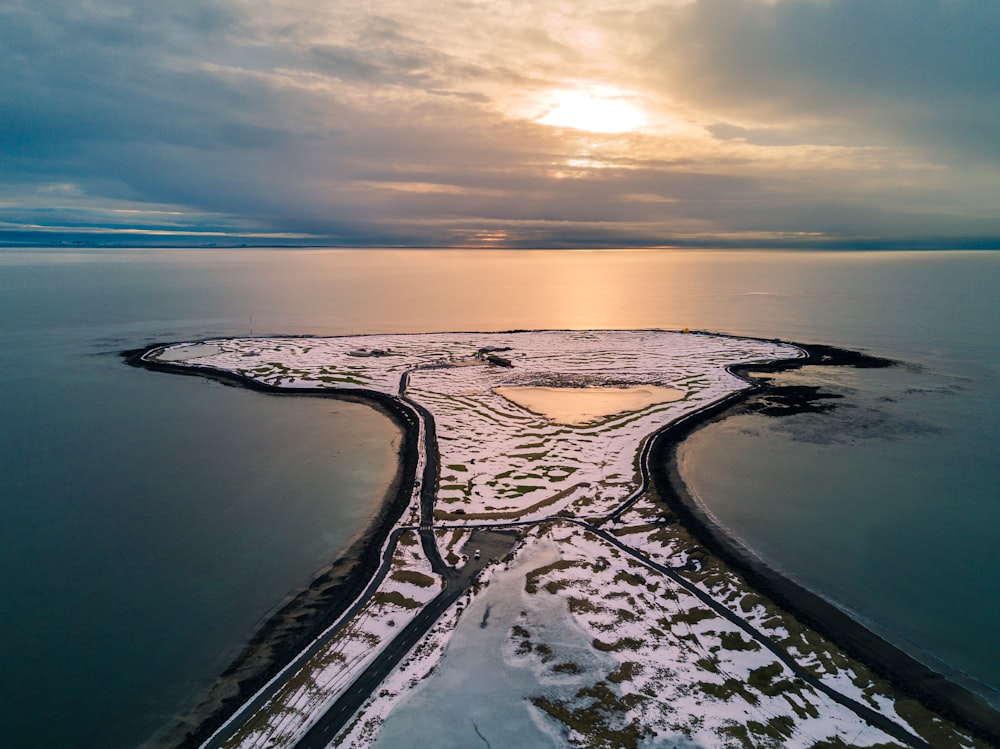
{"points": [[309, 612], [908, 675], [298, 621]]}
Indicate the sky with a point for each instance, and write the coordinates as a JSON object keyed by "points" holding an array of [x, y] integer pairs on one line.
{"points": [[501, 123]]}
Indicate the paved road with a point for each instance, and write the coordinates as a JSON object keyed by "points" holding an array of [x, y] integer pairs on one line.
{"points": [[333, 721], [268, 691], [862, 711], [496, 544]]}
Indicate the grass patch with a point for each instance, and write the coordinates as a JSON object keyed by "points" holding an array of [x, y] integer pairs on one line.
{"points": [[630, 578], [749, 601], [935, 730], [763, 680], [596, 716], [520, 490], [584, 606], [395, 598], [756, 735], [531, 579], [727, 690], [625, 672], [692, 616], [708, 663], [567, 668], [625, 643], [413, 577], [509, 514], [736, 641]]}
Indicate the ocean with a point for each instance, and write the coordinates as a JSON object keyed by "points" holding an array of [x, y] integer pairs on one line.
{"points": [[148, 521]]}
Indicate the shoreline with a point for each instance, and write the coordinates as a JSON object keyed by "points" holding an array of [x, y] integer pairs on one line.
{"points": [[296, 620], [333, 590], [907, 675]]}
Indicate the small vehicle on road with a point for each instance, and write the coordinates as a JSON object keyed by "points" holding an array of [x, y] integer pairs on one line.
{"points": [[476, 556]]}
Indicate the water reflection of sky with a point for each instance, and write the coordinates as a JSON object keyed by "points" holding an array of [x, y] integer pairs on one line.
{"points": [[881, 504], [581, 405]]}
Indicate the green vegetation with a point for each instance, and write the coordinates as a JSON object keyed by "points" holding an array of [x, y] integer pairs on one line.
{"points": [[749, 601], [625, 643], [413, 577], [756, 735], [531, 579], [930, 727], [597, 716], [709, 663], [519, 490], [691, 616], [583, 606], [567, 668], [763, 680], [727, 690], [736, 641], [545, 651], [630, 578], [625, 672], [395, 598]]}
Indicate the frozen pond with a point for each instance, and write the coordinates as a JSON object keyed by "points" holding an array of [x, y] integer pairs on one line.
{"points": [[479, 693], [587, 404]]}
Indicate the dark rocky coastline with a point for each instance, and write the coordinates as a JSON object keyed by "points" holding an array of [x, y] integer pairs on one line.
{"points": [[298, 621], [907, 675]]}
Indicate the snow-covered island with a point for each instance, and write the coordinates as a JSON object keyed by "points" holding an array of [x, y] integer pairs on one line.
{"points": [[592, 617]]}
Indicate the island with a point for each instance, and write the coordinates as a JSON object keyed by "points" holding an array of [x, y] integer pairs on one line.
{"points": [[538, 496]]}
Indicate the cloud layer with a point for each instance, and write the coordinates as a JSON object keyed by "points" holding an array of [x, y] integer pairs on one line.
{"points": [[419, 123]]}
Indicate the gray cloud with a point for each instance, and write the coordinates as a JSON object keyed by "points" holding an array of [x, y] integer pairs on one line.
{"points": [[847, 120], [885, 71]]}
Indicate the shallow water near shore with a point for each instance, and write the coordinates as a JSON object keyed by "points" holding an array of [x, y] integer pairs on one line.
{"points": [[148, 520], [854, 504]]}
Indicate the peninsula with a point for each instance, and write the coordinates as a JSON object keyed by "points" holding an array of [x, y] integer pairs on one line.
{"points": [[536, 470]]}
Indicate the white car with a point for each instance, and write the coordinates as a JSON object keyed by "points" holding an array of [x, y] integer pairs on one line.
{"points": [[477, 554]]}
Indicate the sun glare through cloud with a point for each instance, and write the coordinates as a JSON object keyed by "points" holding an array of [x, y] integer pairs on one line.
{"points": [[596, 110], [406, 122]]}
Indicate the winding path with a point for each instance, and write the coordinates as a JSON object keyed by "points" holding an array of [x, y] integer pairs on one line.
{"points": [[457, 582]]}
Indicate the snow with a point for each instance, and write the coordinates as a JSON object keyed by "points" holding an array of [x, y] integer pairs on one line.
{"points": [[284, 718], [582, 637]]}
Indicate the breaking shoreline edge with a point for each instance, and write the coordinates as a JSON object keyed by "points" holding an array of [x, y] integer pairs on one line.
{"points": [[296, 622]]}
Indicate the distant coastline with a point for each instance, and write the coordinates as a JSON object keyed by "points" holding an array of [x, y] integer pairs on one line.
{"points": [[333, 590]]}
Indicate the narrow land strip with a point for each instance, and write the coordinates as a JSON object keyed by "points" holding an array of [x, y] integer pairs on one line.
{"points": [[656, 465]]}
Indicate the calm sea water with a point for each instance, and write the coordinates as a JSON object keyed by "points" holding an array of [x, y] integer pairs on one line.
{"points": [[148, 521]]}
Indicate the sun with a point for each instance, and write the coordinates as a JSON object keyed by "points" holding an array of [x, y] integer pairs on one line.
{"points": [[596, 110]]}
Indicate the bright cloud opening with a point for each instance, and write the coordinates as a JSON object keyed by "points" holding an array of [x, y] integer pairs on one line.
{"points": [[594, 110]]}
